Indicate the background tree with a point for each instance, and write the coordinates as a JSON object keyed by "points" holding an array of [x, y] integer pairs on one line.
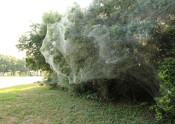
{"points": [[12, 65], [31, 42]]}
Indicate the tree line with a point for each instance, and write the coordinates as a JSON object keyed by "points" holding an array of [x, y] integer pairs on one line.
{"points": [[12, 66]]}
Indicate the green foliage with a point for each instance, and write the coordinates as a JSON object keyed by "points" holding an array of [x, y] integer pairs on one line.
{"points": [[51, 79], [161, 45], [51, 17], [31, 42], [12, 65], [166, 103]]}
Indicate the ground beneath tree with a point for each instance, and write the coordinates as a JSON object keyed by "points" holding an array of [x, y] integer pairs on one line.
{"points": [[31, 104]]}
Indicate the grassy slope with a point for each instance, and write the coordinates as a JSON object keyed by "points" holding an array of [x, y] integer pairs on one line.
{"points": [[33, 104]]}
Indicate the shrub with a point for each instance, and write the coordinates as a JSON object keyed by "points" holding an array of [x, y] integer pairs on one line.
{"points": [[51, 79], [166, 103]]}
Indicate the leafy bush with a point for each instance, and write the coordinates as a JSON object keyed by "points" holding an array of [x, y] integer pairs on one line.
{"points": [[166, 103], [51, 79]]}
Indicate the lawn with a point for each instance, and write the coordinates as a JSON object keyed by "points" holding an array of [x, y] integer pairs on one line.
{"points": [[31, 104]]}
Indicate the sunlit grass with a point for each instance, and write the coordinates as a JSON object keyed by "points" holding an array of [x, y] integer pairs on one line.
{"points": [[42, 105], [17, 88], [11, 93]]}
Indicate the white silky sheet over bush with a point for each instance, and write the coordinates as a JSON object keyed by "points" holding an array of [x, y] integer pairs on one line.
{"points": [[86, 46]]}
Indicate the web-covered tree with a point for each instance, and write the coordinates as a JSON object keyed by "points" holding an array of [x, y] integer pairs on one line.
{"points": [[112, 48], [107, 41], [31, 42]]}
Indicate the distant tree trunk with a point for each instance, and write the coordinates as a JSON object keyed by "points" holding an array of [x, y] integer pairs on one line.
{"points": [[93, 82], [13, 73], [105, 89]]}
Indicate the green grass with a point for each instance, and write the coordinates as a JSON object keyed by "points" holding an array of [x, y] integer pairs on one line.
{"points": [[42, 105]]}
